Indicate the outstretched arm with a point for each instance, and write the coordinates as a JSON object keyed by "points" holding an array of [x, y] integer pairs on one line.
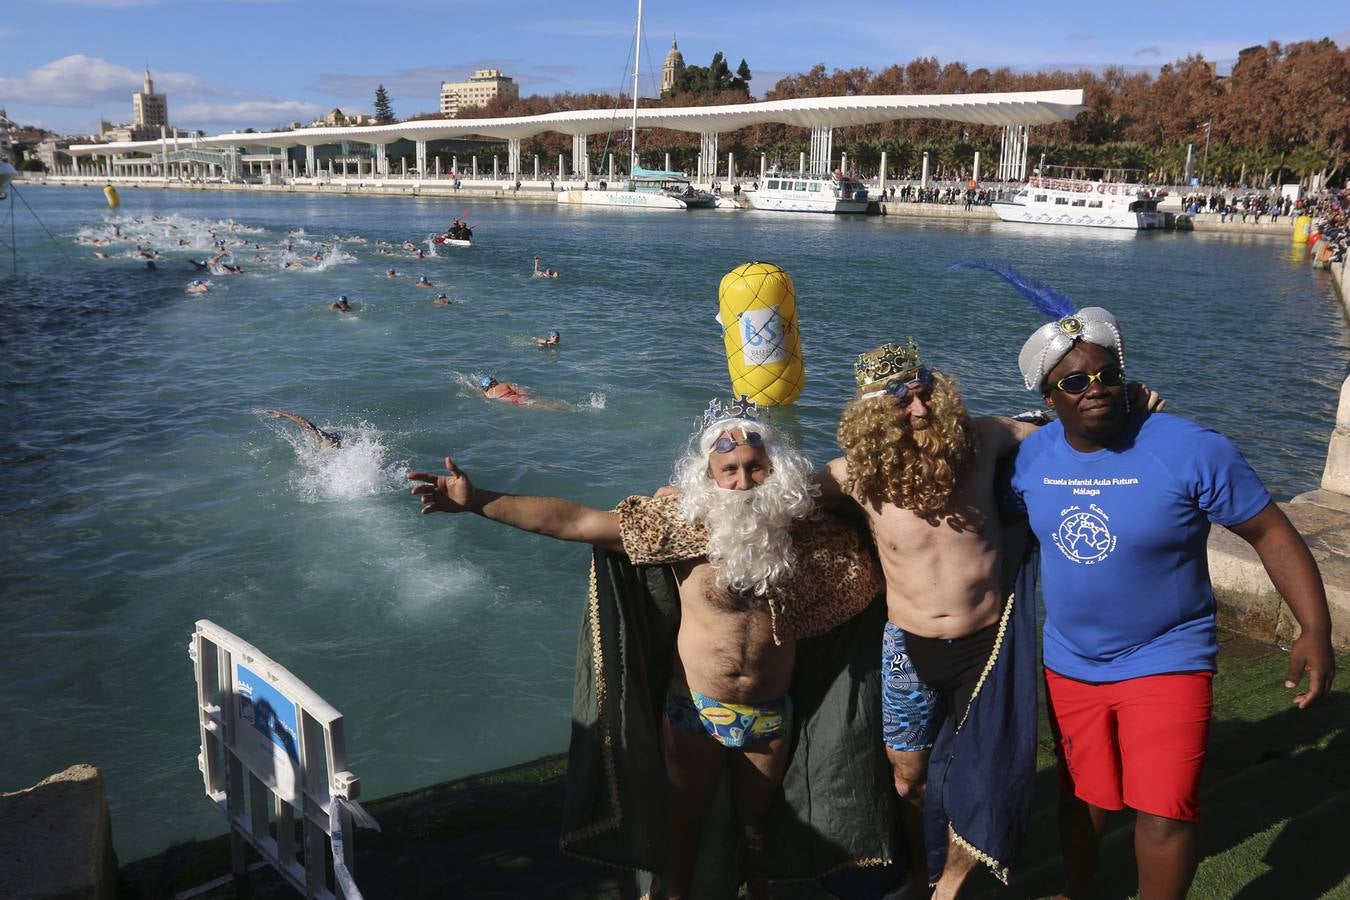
{"points": [[549, 516], [305, 424], [1294, 572]]}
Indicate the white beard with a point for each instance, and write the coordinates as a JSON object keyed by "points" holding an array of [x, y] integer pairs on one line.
{"points": [[749, 539]]}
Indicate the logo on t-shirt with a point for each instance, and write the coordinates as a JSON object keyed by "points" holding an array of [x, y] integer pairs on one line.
{"points": [[1084, 535]]}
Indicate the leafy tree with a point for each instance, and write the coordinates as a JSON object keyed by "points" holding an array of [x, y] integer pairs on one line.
{"points": [[384, 111]]}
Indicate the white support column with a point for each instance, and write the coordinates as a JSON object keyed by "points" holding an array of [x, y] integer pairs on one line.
{"points": [[611, 169], [708, 157], [421, 159], [513, 157], [843, 163], [403, 166], [763, 166], [437, 166], [822, 149], [474, 170], [311, 169], [454, 168], [731, 168], [496, 168], [562, 167], [536, 167], [881, 175], [384, 160], [667, 162], [975, 173], [581, 160], [1026, 147], [923, 177], [801, 162]]}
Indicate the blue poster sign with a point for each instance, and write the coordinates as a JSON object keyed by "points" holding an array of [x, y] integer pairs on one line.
{"points": [[268, 710]]}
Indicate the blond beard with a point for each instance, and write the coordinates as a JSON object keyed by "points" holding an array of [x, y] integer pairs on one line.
{"points": [[916, 467], [750, 532]]}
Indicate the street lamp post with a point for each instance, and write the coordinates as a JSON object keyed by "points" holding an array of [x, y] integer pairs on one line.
{"points": [[1204, 161]]}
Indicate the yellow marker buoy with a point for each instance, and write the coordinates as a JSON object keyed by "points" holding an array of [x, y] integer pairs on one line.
{"points": [[110, 192], [1302, 228], [758, 314]]}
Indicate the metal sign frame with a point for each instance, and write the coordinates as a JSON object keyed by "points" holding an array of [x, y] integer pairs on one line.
{"points": [[271, 746]]}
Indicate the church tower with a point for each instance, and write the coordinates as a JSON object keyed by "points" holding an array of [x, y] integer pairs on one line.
{"points": [[673, 66]]}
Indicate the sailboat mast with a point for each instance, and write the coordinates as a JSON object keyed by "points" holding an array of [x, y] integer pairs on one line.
{"points": [[637, 67]]}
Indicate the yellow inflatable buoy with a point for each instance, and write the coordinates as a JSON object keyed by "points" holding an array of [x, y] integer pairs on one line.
{"points": [[758, 315], [1302, 228], [110, 192]]}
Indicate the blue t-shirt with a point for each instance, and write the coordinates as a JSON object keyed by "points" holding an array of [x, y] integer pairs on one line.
{"points": [[1123, 535]]}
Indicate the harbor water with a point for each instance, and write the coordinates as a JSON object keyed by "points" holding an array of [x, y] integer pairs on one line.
{"points": [[144, 486]]}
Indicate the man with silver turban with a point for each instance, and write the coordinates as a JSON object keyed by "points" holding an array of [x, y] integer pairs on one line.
{"points": [[1122, 506]]}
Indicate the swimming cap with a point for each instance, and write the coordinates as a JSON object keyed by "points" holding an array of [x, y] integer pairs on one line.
{"points": [[196, 281], [343, 298], [486, 382], [442, 297], [554, 335]]}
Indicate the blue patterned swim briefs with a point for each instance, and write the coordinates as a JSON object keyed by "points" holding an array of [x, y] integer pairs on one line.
{"points": [[730, 724]]}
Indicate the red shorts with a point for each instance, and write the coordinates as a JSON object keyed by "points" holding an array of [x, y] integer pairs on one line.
{"points": [[1138, 743]]}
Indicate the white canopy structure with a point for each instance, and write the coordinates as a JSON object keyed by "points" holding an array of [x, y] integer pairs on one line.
{"points": [[1015, 110]]}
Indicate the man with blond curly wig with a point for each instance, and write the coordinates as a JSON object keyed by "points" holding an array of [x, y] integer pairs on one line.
{"points": [[922, 471]]}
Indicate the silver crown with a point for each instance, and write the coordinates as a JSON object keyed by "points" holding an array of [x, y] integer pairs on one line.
{"points": [[744, 408]]}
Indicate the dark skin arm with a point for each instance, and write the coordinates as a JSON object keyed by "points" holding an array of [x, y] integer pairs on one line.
{"points": [[549, 516], [1294, 572]]}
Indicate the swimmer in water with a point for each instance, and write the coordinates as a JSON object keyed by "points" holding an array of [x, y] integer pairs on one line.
{"points": [[150, 266], [554, 338], [198, 286], [495, 390], [391, 274], [543, 273], [341, 304], [442, 300], [99, 254], [327, 440], [423, 282]]}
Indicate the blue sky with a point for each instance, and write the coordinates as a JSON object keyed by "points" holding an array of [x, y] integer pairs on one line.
{"points": [[64, 64]]}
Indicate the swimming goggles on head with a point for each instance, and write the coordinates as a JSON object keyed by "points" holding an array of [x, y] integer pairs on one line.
{"points": [[901, 390], [1078, 382], [725, 443]]}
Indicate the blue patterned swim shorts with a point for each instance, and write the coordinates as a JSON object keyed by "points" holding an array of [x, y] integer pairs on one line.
{"points": [[911, 711]]}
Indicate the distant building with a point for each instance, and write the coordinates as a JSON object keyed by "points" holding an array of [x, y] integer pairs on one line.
{"points": [[149, 117], [148, 109], [673, 66], [484, 85], [336, 118]]}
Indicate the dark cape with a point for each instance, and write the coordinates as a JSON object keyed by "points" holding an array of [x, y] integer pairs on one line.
{"points": [[836, 809], [980, 771]]}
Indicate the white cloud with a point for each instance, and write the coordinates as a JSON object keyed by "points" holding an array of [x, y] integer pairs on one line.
{"points": [[83, 81], [244, 114]]}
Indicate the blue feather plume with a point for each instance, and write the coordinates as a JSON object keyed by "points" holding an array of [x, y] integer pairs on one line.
{"points": [[1046, 299]]}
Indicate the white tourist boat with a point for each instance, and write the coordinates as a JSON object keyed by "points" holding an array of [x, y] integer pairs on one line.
{"points": [[801, 192], [1089, 204], [644, 188], [7, 174]]}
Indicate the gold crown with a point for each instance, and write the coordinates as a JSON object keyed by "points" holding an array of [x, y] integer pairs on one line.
{"points": [[886, 362]]}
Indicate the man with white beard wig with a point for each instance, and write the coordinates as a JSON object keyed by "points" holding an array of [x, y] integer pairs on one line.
{"points": [[692, 655]]}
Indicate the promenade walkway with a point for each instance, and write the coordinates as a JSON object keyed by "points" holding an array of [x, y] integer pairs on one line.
{"points": [[1276, 798]]}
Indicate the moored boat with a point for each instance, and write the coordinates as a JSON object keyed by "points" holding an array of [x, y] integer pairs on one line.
{"points": [[809, 192], [1085, 203]]}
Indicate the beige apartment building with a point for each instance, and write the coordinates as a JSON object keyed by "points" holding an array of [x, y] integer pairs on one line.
{"points": [[482, 86], [148, 109]]}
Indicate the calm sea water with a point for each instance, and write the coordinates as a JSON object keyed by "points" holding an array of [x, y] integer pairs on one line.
{"points": [[144, 488]]}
